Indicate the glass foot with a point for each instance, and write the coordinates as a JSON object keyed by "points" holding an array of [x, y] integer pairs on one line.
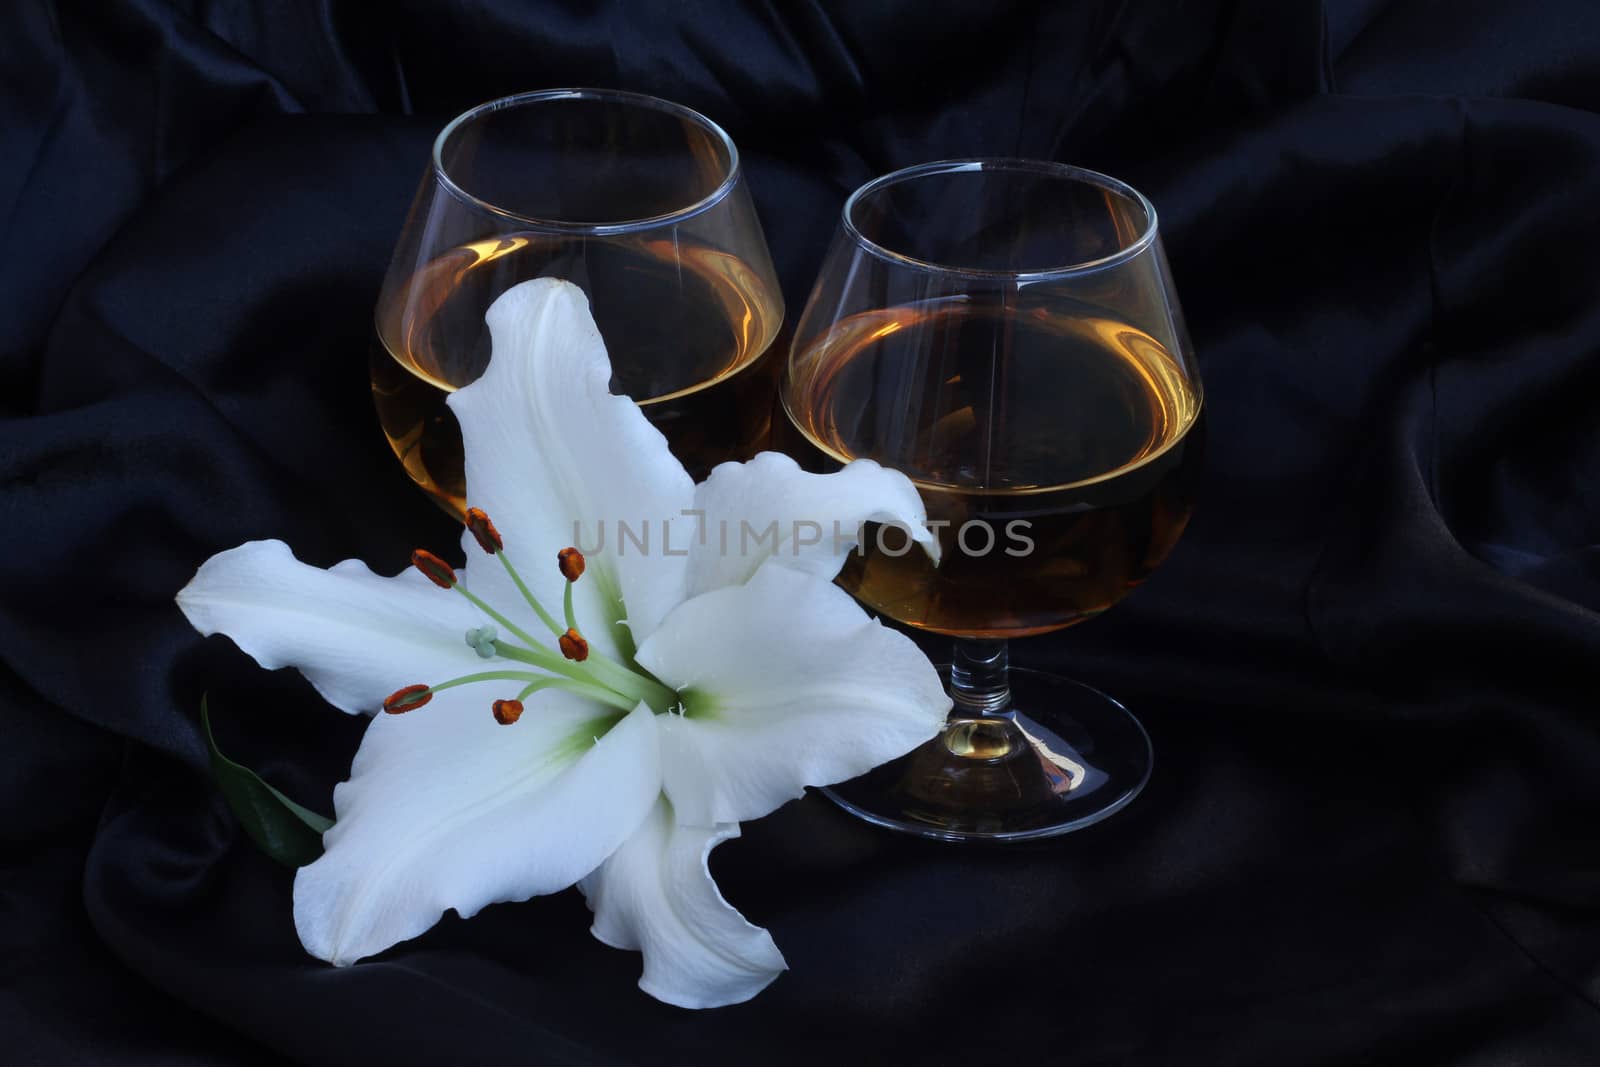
{"points": [[1063, 756]]}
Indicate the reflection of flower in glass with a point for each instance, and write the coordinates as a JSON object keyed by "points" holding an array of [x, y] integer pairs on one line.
{"points": [[612, 746]]}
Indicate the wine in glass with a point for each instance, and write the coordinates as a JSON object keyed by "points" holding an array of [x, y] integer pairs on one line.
{"points": [[1006, 334], [641, 203]]}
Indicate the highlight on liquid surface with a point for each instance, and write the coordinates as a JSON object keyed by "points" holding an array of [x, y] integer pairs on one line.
{"points": [[1085, 431], [688, 329]]}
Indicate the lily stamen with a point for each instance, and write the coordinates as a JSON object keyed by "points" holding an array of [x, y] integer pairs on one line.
{"points": [[403, 700], [437, 570], [481, 528], [527, 594], [414, 696], [600, 673], [507, 712], [574, 646], [566, 609], [571, 563], [619, 677]]}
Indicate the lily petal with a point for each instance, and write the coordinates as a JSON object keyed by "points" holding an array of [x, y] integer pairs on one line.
{"points": [[551, 454], [787, 683], [813, 518], [447, 809], [655, 895], [356, 636]]}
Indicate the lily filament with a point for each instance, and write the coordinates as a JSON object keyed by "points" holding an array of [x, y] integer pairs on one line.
{"points": [[576, 668]]}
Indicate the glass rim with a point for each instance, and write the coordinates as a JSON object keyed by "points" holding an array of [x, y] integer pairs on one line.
{"points": [[617, 96], [1082, 175]]}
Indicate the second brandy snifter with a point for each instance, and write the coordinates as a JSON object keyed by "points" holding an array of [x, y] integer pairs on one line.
{"points": [[640, 202], [1005, 333]]}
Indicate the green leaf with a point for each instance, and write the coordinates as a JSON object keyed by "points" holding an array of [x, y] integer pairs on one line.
{"points": [[284, 830]]}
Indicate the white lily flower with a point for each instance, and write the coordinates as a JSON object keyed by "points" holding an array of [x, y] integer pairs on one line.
{"points": [[685, 686]]}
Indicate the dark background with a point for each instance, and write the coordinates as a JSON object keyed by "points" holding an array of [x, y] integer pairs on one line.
{"points": [[1369, 668]]}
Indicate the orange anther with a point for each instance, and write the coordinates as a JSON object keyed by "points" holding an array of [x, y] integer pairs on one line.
{"points": [[573, 646], [438, 571], [488, 537], [403, 700], [571, 562]]}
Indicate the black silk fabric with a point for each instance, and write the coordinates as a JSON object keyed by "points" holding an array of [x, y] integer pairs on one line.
{"points": [[1369, 667]]}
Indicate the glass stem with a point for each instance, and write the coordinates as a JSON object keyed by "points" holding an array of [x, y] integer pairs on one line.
{"points": [[978, 679]]}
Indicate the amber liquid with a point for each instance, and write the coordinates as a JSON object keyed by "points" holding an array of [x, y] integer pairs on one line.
{"points": [[689, 330], [1087, 431]]}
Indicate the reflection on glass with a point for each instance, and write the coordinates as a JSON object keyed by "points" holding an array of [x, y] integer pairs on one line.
{"points": [[641, 203]]}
